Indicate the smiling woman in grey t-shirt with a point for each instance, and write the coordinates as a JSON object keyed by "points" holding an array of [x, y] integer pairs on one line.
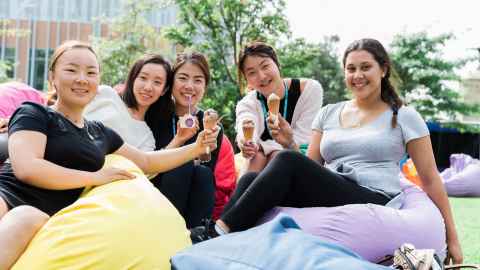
{"points": [[353, 156]]}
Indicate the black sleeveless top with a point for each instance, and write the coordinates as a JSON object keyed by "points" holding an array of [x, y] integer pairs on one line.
{"points": [[293, 96]]}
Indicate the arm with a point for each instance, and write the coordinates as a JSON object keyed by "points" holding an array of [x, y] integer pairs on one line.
{"points": [[420, 150], [282, 133], [308, 105], [313, 151], [165, 160], [246, 110], [26, 151]]}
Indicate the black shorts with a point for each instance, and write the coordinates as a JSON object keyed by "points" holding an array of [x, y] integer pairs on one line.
{"points": [[15, 193]]}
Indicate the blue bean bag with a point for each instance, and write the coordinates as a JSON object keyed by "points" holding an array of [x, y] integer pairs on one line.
{"points": [[374, 231], [278, 244]]}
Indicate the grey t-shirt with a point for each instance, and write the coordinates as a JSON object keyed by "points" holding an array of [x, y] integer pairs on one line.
{"points": [[369, 154]]}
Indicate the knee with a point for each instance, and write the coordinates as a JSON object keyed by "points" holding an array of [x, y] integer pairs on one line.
{"points": [[246, 180], [203, 173], [287, 155], [203, 170], [27, 218]]}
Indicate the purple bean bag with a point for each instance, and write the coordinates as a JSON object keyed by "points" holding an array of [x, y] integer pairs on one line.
{"points": [[462, 179], [375, 231]]}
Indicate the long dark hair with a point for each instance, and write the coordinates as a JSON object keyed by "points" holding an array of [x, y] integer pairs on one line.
{"points": [[376, 49], [164, 102]]}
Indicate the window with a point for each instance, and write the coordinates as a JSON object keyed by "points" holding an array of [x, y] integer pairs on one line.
{"points": [[38, 69], [60, 10], [4, 9], [105, 8]]}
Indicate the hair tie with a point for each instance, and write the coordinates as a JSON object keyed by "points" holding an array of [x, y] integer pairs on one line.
{"points": [[395, 109]]}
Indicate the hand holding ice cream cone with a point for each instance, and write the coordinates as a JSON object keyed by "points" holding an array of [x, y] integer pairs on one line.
{"points": [[210, 119], [210, 122], [282, 132]]}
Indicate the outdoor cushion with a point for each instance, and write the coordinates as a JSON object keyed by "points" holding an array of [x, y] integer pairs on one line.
{"points": [[462, 179], [126, 224], [278, 244], [375, 231], [13, 94]]}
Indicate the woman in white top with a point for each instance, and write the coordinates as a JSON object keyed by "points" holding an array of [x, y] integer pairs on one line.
{"points": [[300, 101], [144, 97]]}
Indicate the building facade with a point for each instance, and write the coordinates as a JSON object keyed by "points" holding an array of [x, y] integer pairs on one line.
{"points": [[44, 24]]}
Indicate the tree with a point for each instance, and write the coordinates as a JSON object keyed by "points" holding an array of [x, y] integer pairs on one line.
{"points": [[132, 36], [220, 28], [426, 76], [6, 66], [300, 59]]}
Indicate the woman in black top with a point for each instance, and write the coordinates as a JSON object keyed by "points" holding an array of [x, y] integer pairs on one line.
{"points": [[190, 187], [55, 153]]}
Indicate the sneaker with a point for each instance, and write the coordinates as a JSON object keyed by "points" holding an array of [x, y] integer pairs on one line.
{"points": [[203, 232]]}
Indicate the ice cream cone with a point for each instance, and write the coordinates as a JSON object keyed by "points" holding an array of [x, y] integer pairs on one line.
{"points": [[210, 119], [248, 127], [273, 103]]}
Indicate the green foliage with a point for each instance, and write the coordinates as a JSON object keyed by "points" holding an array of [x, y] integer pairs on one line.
{"points": [[6, 30], [220, 28], [319, 61], [425, 74], [4, 68], [132, 36]]}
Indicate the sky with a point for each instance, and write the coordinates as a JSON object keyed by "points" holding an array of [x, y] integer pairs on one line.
{"points": [[382, 19]]}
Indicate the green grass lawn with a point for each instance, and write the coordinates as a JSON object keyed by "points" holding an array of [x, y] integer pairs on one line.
{"points": [[467, 218]]}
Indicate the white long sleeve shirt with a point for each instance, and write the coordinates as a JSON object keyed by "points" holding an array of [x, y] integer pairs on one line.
{"points": [[308, 104], [108, 108]]}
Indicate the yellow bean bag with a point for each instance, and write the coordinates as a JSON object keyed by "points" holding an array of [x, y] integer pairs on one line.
{"points": [[127, 224]]}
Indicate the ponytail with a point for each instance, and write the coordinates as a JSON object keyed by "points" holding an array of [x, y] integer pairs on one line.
{"points": [[390, 96]]}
